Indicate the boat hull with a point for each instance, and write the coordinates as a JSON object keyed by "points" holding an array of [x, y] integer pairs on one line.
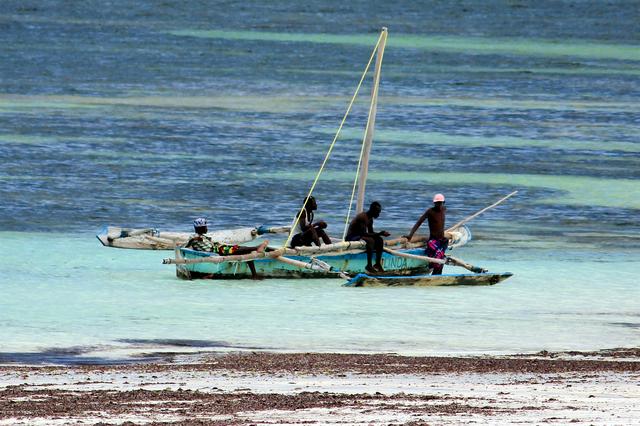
{"points": [[152, 239], [351, 262], [364, 280]]}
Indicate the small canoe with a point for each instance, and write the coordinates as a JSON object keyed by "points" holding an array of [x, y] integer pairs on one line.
{"points": [[153, 239], [487, 278]]}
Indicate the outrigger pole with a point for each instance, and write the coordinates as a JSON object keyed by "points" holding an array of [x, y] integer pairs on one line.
{"points": [[371, 121], [463, 221]]}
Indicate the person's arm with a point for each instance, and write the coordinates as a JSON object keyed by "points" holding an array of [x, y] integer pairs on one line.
{"points": [[189, 243], [416, 226], [321, 224], [371, 231], [302, 222]]}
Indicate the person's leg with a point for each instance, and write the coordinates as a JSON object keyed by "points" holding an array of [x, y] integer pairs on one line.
{"points": [[296, 241], [305, 238], [240, 250], [323, 235], [379, 247], [370, 247], [436, 250], [440, 254], [252, 268], [243, 250], [437, 268], [229, 250], [313, 236], [431, 252]]}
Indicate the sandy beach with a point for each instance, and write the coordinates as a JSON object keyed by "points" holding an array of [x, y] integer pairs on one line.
{"points": [[309, 388]]}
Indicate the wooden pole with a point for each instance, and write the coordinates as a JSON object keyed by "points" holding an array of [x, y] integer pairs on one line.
{"points": [[301, 251], [459, 262], [298, 251], [221, 259], [313, 266], [463, 221], [415, 256], [368, 137], [448, 260], [325, 248]]}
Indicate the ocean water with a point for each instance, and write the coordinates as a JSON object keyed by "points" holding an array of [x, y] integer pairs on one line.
{"points": [[153, 113]]}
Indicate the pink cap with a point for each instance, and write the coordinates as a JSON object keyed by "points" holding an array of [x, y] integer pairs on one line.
{"points": [[438, 197]]}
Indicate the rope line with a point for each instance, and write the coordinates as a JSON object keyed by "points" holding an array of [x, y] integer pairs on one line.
{"points": [[366, 130], [335, 139]]}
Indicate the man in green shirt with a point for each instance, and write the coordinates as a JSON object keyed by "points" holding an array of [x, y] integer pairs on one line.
{"points": [[202, 242]]}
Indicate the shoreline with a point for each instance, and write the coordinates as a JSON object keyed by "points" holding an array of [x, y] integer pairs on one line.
{"points": [[601, 387], [191, 351]]}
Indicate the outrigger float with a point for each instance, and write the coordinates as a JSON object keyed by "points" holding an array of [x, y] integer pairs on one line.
{"points": [[485, 278], [404, 261]]}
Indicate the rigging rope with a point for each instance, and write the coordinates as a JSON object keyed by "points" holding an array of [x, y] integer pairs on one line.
{"points": [[366, 130], [335, 139]]}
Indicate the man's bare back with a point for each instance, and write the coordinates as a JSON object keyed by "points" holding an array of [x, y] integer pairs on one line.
{"points": [[361, 225], [436, 218]]}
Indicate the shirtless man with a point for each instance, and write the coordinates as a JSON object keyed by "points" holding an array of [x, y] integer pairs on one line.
{"points": [[437, 244], [310, 232], [361, 228], [201, 242]]}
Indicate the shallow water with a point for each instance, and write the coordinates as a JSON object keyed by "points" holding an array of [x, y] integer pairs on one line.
{"points": [[145, 114], [77, 299]]}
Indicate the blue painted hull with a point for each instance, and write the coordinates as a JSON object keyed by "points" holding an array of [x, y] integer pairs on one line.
{"points": [[351, 262]]}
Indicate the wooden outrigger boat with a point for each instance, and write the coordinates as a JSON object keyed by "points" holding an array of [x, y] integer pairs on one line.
{"points": [[403, 260], [342, 258], [328, 261], [327, 265]]}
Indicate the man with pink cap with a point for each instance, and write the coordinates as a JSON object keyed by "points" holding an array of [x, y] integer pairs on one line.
{"points": [[437, 244]]}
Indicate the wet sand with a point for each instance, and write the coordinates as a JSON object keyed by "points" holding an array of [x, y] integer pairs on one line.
{"points": [[274, 388]]}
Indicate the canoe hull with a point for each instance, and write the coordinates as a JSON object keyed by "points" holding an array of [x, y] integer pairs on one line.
{"points": [[152, 239], [351, 262], [364, 280]]}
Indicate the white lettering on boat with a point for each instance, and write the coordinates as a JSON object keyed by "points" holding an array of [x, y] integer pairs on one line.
{"points": [[395, 263]]}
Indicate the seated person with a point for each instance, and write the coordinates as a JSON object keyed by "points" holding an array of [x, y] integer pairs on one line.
{"points": [[361, 228], [202, 242], [310, 232]]}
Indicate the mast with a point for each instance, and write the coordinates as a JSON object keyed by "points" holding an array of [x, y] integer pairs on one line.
{"points": [[371, 121]]}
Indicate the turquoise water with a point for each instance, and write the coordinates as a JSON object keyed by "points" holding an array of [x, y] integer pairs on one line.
{"points": [[69, 298], [151, 114]]}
